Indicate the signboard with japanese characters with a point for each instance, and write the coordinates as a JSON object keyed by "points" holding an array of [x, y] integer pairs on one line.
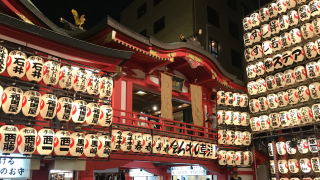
{"points": [[12, 167], [187, 171]]}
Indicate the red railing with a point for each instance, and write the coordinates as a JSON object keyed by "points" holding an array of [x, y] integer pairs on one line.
{"points": [[131, 119]]}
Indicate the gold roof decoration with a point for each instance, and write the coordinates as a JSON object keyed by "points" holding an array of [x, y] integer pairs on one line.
{"points": [[78, 20]]}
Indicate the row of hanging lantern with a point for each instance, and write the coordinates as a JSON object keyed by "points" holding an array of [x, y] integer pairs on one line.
{"points": [[232, 99], [35, 69], [296, 178], [231, 137], [13, 100], [235, 158], [233, 118], [294, 166]]}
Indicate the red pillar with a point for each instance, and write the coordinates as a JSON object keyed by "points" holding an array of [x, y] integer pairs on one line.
{"points": [[116, 100]]}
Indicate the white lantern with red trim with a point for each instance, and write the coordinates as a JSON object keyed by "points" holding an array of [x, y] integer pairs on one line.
{"points": [[307, 30], [311, 50], [264, 14], [106, 115], [230, 137], [222, 136], [231, 158], [284, 119], [209, 151], [238, 138], [222, 156], [116, 140], [255, 19], [313, 145], [278, 61], [93, 114], [48, 106], [316, 111], [221, 117], [80, 81], [287, 60], [289, 77], [272, 167], [304, 12], [66, 77], [31, 103], [248, 158], [295, 35], [264, 122], [34, 67], [316, 26], [127, 141], [293, 17], [236, 118], [283, 166], [165, 145], [244, 100], [315, 164], [11, 100], [291, 4], [314, 89], [273, 11], [3, 58], [252, 88], [256, 35], [283, 22], [312, 70], [62, 143], [254, 105], [263, 103], [293, 97], [202, 150], [16, 64], [77, 140], [104, 147], [26, 140], [64, 107], [274, 26], [229, 99], [156, 144], [255, 124], [269, 65], [265, 31], [221, 97], [147, 143], [245, 119], [79, 111], [282, 98], [303, 146], [276, 43], [51, 71], [294, 116], [270, 149], [247, 23], [189, 147], [281, 148], [247, 54], [305, 165], [303, 93], [246, 138], [44, 141], [106, 87], [91, 145], [260, 68], [229, 117], [290, 149], [94, 84], [280, 79], [306, 115], [273, 101], [195, 148], [239, 158], [314, 8], [236, 99], [8, 139], [267, 47], [281, 6], [174, 146], [297, 53], [300, 73], [274, 120]]}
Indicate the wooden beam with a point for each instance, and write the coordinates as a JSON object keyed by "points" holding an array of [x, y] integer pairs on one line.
{"points": [[157, 65], [180, 65]]}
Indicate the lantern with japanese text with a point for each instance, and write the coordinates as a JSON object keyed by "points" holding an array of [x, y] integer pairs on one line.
{"points": [[283, 22], [247, 23], [311, 50], [265, 31], [263, 103], [297, 53], [273, 101], [31, 103], [281, 6], [106, 87], [291, 4], [230, 137], [272, 167], [270, 149], [307, 30], [236, 118], [165, 145], [3, 58], [64, 107], [255, 19], [281, 148], [174, 146], [274, 26], [295, 35], [293, 96], [34, 67], [306, 115], [229, 99], [257, 51], [267, 47], [156, 144], [48, 106], [221, 117], [300, 73], [312, 70], [272, 9], [202, 150], [268, 64], [283, 166], [303, 93], [221, 97], [26, 140], [314, 8], [264, 14], [127, 141], [276, 43], [280, 79], [294, 116], [1, 92], [247, 39], [8, 140], [289, 77], [255, 124], [246, 136], [236, 99], [315, 164], [80, 81], [252, 88], [222, 136], [274, 120], [106, 115], [248, 158], [91, 145], [312, 141], [104, 147], [79, 111], [293, 17], [77, 140], [284, 119], [239, 158], [61, 143], [254, 105], [222, 156], [66, 77], [238, 138], [116, 140], [11, 100], [209, 152], [271, 82], [229, 117], [93, 114], [247, 54], [147, 143], [44, 141], [245, 119], [305, 165], [16, 64], [278, 61], [316, 26], [304, 12], [94, 84], [265, 122], [303, 146], [188, 148], [231, 158], [314, 89], [287, 60], [290, 149], [243, 100], [51, 71]]}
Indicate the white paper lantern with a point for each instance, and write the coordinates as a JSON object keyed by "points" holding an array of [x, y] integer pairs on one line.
{"points": [[307, 30], [246, 136], [80, 81], [312, 141], [282, 98], [293, 18], [293, 97], [281, 6], [173, 149], [272, 167], [66, 77], [105, 119], [314, 8], [106, 87], [252, 88], [304, 12], [147, 144], [265, 122], [281, 148], [283, 166], [283, 22], [268, 65], [265, 31], [273, 101], [291, 4], [274, 120], [127, 141], [251, 71], [229, 117], [263, 103], [26, 140], [284, 119], [34, 67], [298, 54], [248, 158], [64, 107], [274, 26], [311, 50], [244, 100], [238, 138], [305, 165], [267, 47], [294, 116], [255, 124], [104, 146], [239, 158], [116, 140], [44, 141], [91, 145], [295, 35], [222, 157], [303, 93], [256, 35], [93, 114], [79, 111], [11, 100], [156, 144], [277, 61], [202, 150], [31, 103], [260, 68], [317, 178], [3, 58], [312, 70], [276, 43], [182, 147], [231, 158], [315, 164], [8, 139], [273, 10], [286, 57], [214, 151], [222, 136], [76, 144], [254, 106], [230, 137], [255, 19], [285, 39], [221, 117], [270, 149], [93, 84], [221, 97], [51, 71], [280, 79], [303, 147], [261, 85], [247, 23], [316, 111], [229, 99], [16, 64], [271, 82], [289, 76], [61, 143], [264, 14], [316, 26], [248, 54], [236, 118], [300, 73], [236, 99], [290, 149], [317, 43], [314, 89], [195, 148], [48, 108], [306, 115]]}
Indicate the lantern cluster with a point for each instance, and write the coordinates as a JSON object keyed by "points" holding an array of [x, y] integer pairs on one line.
{"points": [[234, 138], [232, 99], [233, 118], [235, 158]]}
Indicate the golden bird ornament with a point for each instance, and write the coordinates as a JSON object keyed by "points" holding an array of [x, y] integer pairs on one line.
{"points": [[78, 21]]}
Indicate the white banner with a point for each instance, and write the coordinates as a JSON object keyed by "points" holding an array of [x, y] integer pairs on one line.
{"points": [[187, 170]]}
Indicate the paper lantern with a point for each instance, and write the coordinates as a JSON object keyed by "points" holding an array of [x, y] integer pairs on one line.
{"points": [[93, 84], [147, 144], [80, 81], [91, 145], [292, 96], [312, 141], [61, 143], [229, 99], [281, 6], [286, 57], [274, 26], [294, 116], [304, 12], [239, 158], [222, 136], [276, 43], [290, 149], [316, 26], [248, 54], [282, 98], [273, 11], [195, 148], [64, 107], [289, 77], [295, 35], [231, 158], [252, 88], [229, 117], [271, 82], [311, 50], [31, 103], [51, 71], [297, 54], [11, 100], [283, 22], [303, 146], [312, 70], [248, 158], [315, 164], [243, 100], [268, 65], [270, 149], [209, 151], [34, 66], [317, 43], [156, 144], [264, 122], [182, 147], [214, 151], [274, 120], [238, 138], [221, 97], [272, 167], [261, 85], [280, 79], [263, 103], [303, 93], [106, 115], [236, 99], [230, 137], [106, 87], [174, 146], [305, 165], [188, 148], [260, 68], [256, 36], [281, 148], [116, 140], [48, 108], [317, 178], [66, 77], [277, 61], [76, 144], [254, 105], [265, 31], [245, 119], [26, 140], [255, 19], [3, 58], [285, 39], [246, 136], [79, 111], [307, 30], [314, 89], [221, 117], [16, 64], [255, 124], [104, 146], [267, 47], [202, 150], [93, 114], [8, 142], [247, 23], [127, 141], [306, 115], [316, 111], [264, 14], [251, 71], [314, 8], [293, 18], [284, 119], [283, 166], [236, 118], [291, 4], [300, 73], [44, 141], [222, 154]]}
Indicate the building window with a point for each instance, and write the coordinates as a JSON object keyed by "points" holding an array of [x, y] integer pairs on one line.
{"points": [[232, 4], [158, 25], [236, 59], [213, 16], [142, 10], [245, 9], [143, 33], [214, 48], [233, 29], [155, 2]]}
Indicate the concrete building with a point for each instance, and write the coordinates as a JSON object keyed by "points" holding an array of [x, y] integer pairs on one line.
{"points": [[220, 21]]}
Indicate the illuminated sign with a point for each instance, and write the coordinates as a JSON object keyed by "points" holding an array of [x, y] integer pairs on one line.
{"points": [[188, 170], [14, 168], [139, 172]]}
